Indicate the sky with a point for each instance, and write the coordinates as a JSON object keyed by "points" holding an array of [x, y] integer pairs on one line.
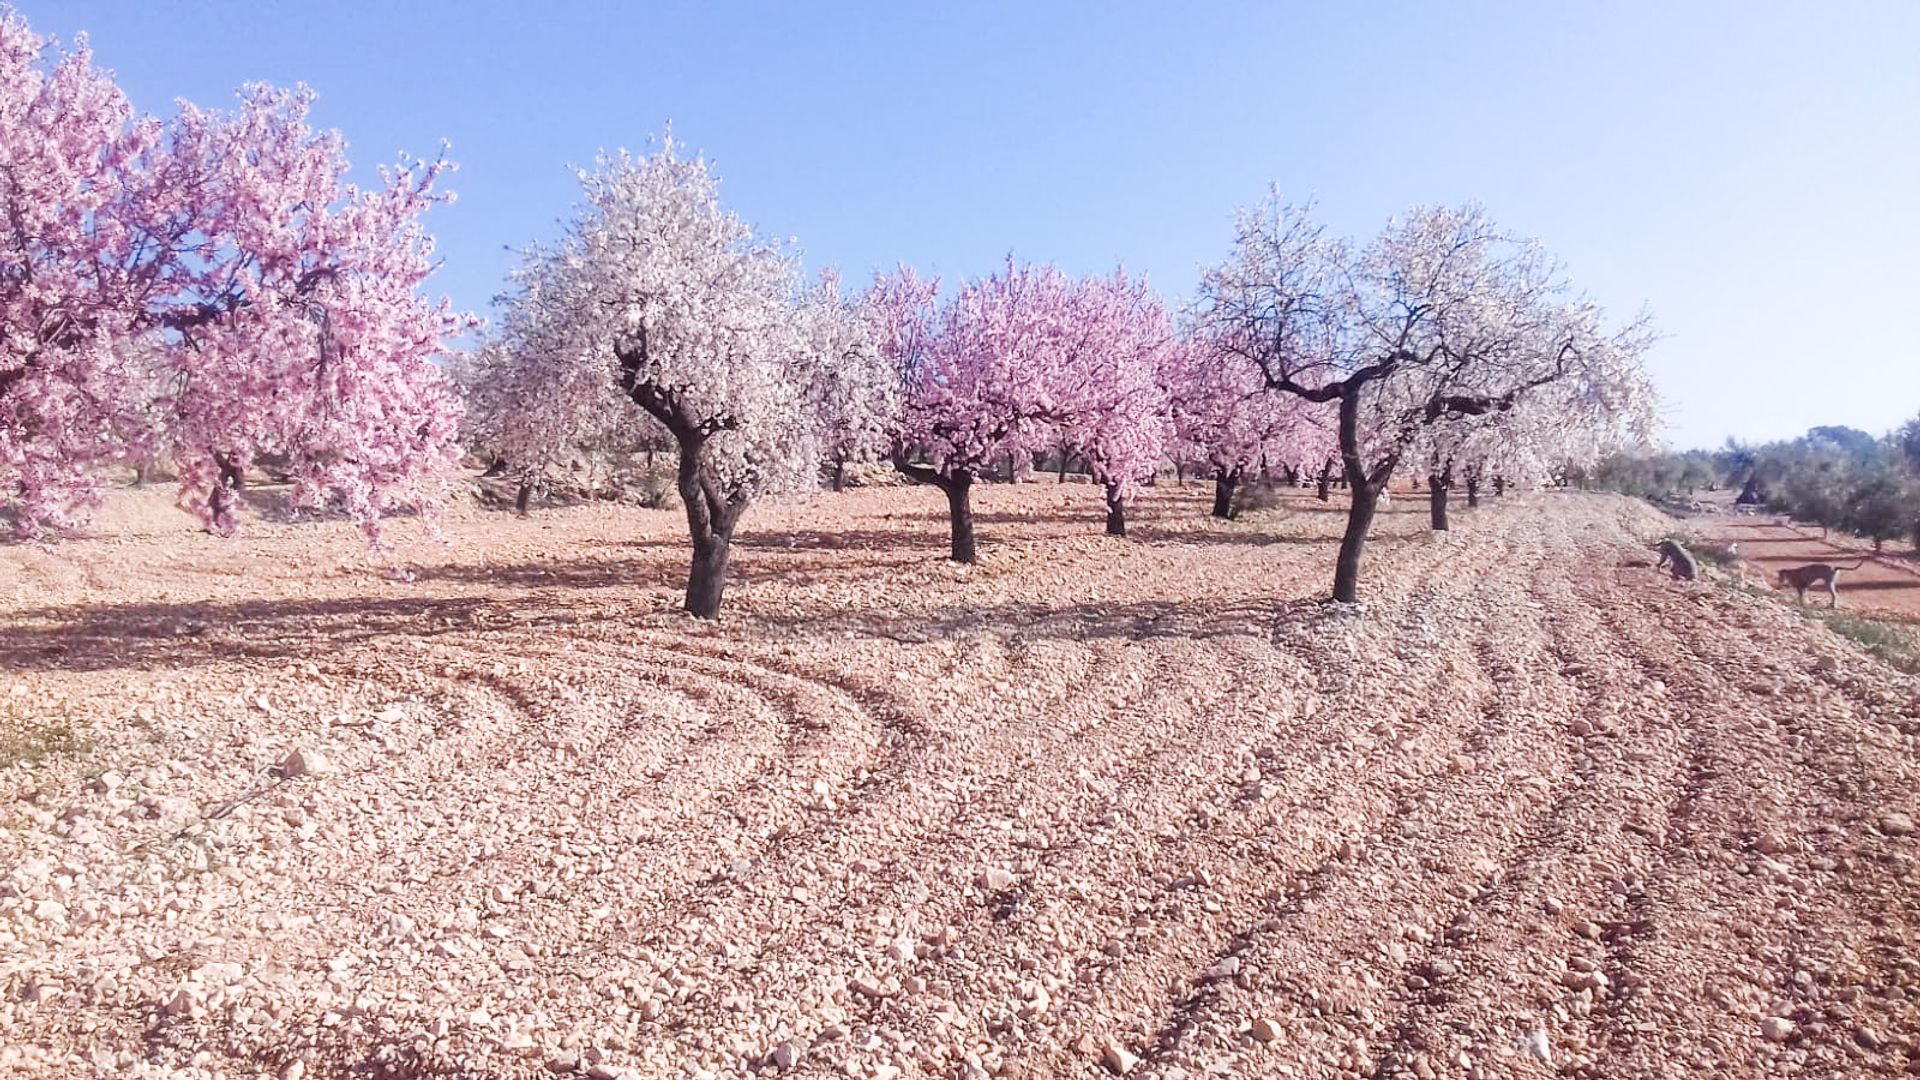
{"points": [[1747, 172]]}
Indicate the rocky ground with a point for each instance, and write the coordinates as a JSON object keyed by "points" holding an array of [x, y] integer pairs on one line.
{"points": [[1092, 807]]}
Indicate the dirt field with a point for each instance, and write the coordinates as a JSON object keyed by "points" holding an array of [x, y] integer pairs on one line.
{"points": [[1887, 584], [1094, 806]]}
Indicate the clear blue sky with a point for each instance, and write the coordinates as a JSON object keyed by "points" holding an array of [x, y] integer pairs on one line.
{"points": [[1749, 171]]}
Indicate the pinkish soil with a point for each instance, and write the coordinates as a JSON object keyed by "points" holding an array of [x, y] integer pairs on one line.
{"points": [[1887, 583], [1094, 805]]}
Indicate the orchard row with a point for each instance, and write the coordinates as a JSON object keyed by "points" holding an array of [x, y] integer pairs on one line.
{"points": [[209, 288]]}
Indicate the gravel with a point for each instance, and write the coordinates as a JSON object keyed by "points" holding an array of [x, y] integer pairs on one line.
{"points": [[1094, 806]]}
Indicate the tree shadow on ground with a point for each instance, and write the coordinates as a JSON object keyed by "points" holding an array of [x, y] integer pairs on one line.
{"points": [[1149, 534], [176, 636], [167, 636], [1135, 621]]}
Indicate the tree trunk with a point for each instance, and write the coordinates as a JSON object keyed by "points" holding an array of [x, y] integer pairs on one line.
{"points": [[1223, 486], [524, 497], [1473, 492], [710, 525], [1180, 474], [1325, 480], [1364, 500], [1499, 486], [707, 580], [1116, 512], [1353, 542], [1060, 469], [959, 489], [1437, 502], [839, 474], [232, 476], [497, 469], [142, 473]]}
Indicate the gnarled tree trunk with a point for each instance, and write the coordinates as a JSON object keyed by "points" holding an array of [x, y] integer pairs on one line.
{"points": [[1116, 512], [1324, 481], [1224, 484], [1364, 500], [1437, 502], [710, 521]]}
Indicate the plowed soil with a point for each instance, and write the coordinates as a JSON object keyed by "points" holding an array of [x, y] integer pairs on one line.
{"points": [[1093, 806], [1887, 583]]}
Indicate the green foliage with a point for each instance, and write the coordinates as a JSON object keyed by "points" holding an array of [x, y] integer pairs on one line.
{"points": [[1894, 643], [1834, 477]]}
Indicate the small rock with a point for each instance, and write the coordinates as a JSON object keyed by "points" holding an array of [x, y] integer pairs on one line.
{"points": [[294, 1070], [1584, 980], [1226, 968], [108, 781], [1535, 1043], [994, 879], [50, 911], [784, 1056], [1777, 1029], [1265, 1030], [305, 761], [1897, 825], [563, 1064], [1119, 1060], [867, 986], [184, 1002]]}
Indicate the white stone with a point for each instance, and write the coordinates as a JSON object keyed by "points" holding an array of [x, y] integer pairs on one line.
{"points": [[994, 879]]}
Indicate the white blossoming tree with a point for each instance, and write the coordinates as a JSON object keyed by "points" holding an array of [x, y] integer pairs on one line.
{"points": [[660, 299], [1440, 321]]}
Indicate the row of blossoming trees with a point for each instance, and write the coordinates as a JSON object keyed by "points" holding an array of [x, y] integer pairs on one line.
{"points": [[1443, 345], [209, 288]]}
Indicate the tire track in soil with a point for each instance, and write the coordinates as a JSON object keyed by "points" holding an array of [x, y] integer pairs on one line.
{"points": [[1309, 887]]}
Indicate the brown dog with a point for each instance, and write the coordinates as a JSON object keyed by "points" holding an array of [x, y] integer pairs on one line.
{"points": [[1802, 578]]}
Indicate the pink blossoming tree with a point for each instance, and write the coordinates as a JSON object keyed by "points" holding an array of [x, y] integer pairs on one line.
{"points": [[1231, 427], [1110, 342], [208, 287], [979, 377]]}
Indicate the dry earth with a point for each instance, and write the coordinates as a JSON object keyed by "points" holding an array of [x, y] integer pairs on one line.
{"points": [[1888, 583], [1094, 805]]}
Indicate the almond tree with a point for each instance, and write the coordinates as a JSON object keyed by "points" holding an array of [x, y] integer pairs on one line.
{"points": [[1559, 427], [1110, 348], [855, 392], [1440, 319], [529, 417], [1227, 423], [207, 287], [659, 298], [978, 373]]}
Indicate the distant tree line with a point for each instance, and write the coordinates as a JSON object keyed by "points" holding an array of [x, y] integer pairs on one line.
{"points": [[1834, 477]]}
